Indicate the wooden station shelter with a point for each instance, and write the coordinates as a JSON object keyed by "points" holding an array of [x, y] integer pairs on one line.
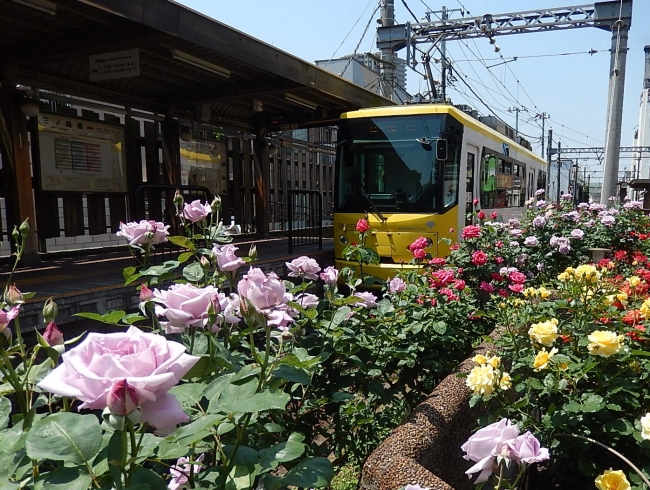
{"points": [[99, 97]]}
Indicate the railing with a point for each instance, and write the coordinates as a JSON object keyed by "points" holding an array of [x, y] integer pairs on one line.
{"points": [[305, 218], [156, 202]]}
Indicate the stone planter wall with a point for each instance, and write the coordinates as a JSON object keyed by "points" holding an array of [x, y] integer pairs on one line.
{"points": [[425, 448]]}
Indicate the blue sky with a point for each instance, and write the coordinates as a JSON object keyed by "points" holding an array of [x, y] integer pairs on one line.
{"points": [[571, 88]]}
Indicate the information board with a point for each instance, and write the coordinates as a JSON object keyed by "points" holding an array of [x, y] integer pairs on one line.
{"points": [[80, 156]]}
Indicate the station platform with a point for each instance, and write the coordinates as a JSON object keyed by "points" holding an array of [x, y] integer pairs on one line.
{"points": [[93, 282]]}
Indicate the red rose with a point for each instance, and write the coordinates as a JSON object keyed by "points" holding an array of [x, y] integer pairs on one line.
{"points": [[498, 260], [503, 293], [620, 255], [442, 277], [498, 244], [455, 246], [437, 262], [362, 226], [486, 286], [481, 215], [459, 284], [452, 230], [496, 277], [479, 258], [633, 317], [475, 202], [471, 231], [494, 215]]}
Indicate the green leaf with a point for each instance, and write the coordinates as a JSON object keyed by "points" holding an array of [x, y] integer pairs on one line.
{"points": [[244, 399], [592, 403], [193, 272], [182, 241], [291, 373], [5, 411], [65, 436], [128, 272], [439, 327], [188, 394], [309, 473], [115, 456], [64, 479], [280, 453], [112, 317], [342, 397], [194, 432], [340, 315], [145, 476], [184, 257]]}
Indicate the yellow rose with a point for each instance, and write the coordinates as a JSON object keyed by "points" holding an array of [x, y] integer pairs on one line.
{"points": [[530, 292], [645, 426], [645, 308], [612, 480], [481, 380], [506, 382], [494, 361], [588, 272], [518, 302], [633, 281], [544, 333], [604, 343], [543, 358], [479, 359], [543, 292]]}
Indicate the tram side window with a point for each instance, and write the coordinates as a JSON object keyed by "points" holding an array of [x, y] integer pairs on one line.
{"points": [[451, 177]]}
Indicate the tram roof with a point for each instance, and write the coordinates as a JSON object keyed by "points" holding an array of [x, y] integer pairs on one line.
{"points": [[418, 109], [191, 66]]}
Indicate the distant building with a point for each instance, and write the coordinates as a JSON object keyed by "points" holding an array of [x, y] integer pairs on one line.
{"points": [[364, 69], [641, 166]]}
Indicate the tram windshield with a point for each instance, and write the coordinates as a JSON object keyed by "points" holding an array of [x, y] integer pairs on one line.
{"points": [[396, 164]]}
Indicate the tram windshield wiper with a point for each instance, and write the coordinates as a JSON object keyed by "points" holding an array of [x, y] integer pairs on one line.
{"points": [[373, 208]]}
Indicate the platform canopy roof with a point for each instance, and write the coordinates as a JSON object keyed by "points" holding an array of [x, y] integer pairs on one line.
{"points": [[190, 66]]}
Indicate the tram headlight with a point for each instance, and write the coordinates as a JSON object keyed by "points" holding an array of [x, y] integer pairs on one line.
{"points": [[429, 242], [343, 239]]}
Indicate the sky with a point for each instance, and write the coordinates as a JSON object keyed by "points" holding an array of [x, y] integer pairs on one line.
{"points": [[572, 88]]}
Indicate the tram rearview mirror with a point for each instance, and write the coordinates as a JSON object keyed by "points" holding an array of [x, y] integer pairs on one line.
{"points": [[441, 149]]}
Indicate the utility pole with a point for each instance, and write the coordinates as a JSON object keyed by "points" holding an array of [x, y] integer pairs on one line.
{"points": [[444, 16], [517, 110], [388, 53], [543, 116], [559, 167], [620, 30], [548, 153]]}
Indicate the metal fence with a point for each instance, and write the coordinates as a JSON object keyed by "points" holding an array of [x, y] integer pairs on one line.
{"points": [[305, 215]]}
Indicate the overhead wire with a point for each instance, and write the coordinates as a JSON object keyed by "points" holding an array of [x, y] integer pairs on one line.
{"points": [[363, 35], [349, 32]]}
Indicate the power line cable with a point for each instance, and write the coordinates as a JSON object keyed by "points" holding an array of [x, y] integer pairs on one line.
{"points": [[363, 35], [350, 32], [410, 11], [548, 55]]}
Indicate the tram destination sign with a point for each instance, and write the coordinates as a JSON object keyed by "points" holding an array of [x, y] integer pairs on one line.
{"points": [[78, 155], [119, 64]]}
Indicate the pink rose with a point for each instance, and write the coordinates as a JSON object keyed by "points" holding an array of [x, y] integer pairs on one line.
{"points": [[368, 300], [396, 285], [418, 244], [527, 449], [483, 446], [303, 267], [442, 277], [143, 233], [481, 215], [517, 277], [471, 231], [459, 284], [479, 258], [307, 300], [195, 211], [268, 295], [330, 275], [146, 294], [419, 253], [227, 260], [181, 471], [437, 262], [184, 306], [475, 202], [6, 317], [150, 363], [362, 226], [516, 288]]}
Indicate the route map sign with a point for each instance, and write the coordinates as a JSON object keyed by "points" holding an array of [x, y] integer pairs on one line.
{"points": [[80, 156]]}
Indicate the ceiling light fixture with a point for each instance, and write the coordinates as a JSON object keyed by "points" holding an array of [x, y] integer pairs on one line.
{"points": [[185, 133], [30, 107], [42, 5], [199, 63], [301, 102]]}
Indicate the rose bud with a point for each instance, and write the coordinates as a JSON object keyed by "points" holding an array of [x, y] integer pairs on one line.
{"points": [[215, 205], [50, 311], [145, 294], [13, 296], [52, 335], [122, 399], [178, 199]]}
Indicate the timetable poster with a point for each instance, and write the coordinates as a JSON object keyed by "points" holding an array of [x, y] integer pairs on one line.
{"points": [[80, 156]]}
